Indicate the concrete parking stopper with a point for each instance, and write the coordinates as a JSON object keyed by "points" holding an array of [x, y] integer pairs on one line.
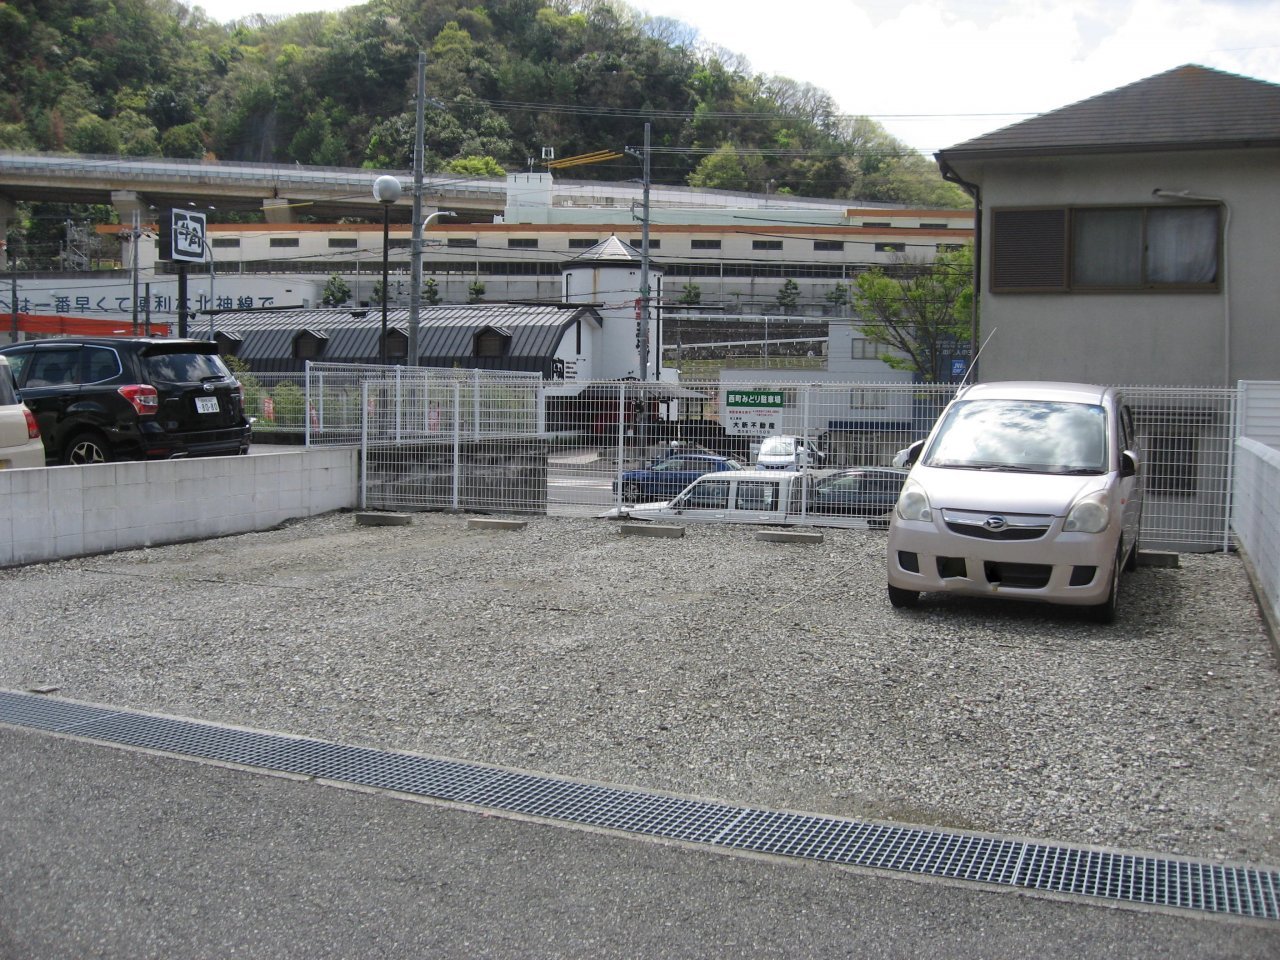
{"points": [[495, 523], [383, 519], [789, 536], [650, 530]]}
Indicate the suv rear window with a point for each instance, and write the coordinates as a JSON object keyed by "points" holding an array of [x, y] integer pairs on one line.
{"points": [[184, 367]]}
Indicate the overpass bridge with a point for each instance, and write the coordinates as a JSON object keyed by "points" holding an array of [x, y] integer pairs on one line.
{"points": [[282, 192]]}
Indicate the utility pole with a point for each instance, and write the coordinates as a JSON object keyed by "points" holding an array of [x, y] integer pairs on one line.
{"points": [[415, 246], [137, 223], [644, 256]]}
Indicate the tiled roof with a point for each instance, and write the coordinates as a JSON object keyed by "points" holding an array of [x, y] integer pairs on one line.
{"points": [[1187, 108]]}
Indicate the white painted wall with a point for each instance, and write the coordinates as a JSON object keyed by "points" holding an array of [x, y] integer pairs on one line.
{"points": [[52, 513], [1260, 411], [1256, 518]]}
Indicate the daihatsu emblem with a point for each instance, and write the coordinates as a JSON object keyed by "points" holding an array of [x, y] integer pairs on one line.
{"points": [[994, 523], [209, 387]]}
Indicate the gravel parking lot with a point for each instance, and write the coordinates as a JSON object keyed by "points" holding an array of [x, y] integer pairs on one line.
{"points": [[716, 665]]}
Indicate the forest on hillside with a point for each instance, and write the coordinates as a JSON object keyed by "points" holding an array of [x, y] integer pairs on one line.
{"points": [[505, 78]]}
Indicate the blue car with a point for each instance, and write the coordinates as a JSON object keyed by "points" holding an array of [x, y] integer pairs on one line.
{"points": [[666, 477]]}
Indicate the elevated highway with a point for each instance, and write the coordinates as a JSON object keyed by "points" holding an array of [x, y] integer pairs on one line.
{"points": [[283, 192]]}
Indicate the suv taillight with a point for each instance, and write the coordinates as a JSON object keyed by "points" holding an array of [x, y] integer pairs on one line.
{"points": [[33, 428], [143, 396]]}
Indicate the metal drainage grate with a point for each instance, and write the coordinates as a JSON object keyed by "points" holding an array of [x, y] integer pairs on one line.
{"points": [[1240, 891]]}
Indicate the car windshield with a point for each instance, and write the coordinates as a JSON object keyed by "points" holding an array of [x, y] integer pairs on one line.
{"points": [[1033, 436], [777, 447]]}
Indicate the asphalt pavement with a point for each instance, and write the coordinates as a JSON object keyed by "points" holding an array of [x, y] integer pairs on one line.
{"points": [[114, 853]]}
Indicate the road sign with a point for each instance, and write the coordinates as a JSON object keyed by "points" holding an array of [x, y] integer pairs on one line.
{"points": [[187, 236]]}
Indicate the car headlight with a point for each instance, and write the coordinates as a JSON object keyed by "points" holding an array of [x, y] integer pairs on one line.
{"points": [[1089, 514], [913, 502]]}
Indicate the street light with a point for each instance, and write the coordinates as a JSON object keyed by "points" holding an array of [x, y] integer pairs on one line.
{"points": [[415, 293], [386, 190]]}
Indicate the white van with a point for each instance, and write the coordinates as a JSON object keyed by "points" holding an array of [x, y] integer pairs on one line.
{"points": [[736, 496], [1028, 491]]}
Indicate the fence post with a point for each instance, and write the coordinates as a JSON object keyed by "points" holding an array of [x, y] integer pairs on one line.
{"points": [[457, 440], [622, 416], [398, 405], [540, 411], [475, 404], [364, 445], [306, 400], [1233, 436]]}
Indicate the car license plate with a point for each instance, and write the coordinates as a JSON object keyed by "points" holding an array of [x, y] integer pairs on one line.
{"points": [[207, 404]]}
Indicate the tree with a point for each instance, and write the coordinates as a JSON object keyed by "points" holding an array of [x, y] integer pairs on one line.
{"points": [[336, 292], [721, 170], [475, 292], [838, 296], [476, 167], [431, 292], [920, 310], [789, 296], [691, 295]]}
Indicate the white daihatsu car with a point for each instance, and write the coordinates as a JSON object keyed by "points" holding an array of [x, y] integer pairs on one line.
{"points": [[1029, 491]]}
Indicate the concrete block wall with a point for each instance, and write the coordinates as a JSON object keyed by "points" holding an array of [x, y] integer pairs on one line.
{"points": [[53, 513]]}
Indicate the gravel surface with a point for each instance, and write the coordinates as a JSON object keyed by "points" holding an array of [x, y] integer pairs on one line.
{"points": [[717, 665]]}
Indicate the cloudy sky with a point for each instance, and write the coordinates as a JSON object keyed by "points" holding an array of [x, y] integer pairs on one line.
{"points": [[936, 72]]}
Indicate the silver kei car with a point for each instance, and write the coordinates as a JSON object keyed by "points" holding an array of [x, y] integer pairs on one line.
{"points": [[1028, 491]]}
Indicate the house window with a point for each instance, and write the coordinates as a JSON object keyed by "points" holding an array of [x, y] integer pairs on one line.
{"points": [[933, 226], [397, 347], [766, 244], [228, 346], [1106, 249], [864, 349], [522, 243], [876, 223], [704, 244], [638, 243], [220, 242], [399, 243], [307, 346], [891, 248], [284, 241], [490, 343], [832, 246], [461, 242], [867, 400], [949, 247], [582, 243], [347, 242]]}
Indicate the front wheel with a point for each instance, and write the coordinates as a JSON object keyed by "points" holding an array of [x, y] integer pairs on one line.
{"points": [[87, 448], [1105, 612], [903, 598], [631, 493]]}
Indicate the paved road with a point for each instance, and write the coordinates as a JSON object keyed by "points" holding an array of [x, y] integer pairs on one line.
{"points": [[111, 853]]}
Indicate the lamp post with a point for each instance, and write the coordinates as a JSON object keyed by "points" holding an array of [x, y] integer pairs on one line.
{"points": [[386, 190], [415, 305]]}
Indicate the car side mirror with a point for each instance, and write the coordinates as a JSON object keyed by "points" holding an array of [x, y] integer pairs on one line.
{"points": [[912, 453], [1128, 464]]}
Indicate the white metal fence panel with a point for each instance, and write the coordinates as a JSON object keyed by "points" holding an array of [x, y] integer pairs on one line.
{"points": [[476, 440], [1256, 516]]}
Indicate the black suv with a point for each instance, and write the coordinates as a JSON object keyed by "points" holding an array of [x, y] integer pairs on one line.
{"points": [[98, 399]]}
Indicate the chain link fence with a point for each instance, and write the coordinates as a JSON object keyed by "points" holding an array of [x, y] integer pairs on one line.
{"points": [[508, 442]]}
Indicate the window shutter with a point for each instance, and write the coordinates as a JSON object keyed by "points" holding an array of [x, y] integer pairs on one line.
{"points": [[1028, 250]]}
